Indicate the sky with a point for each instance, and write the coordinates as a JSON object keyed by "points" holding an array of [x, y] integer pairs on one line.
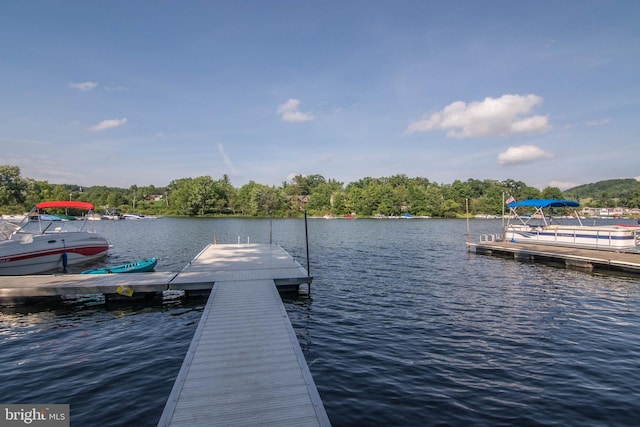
{"points": [[123, 93]]}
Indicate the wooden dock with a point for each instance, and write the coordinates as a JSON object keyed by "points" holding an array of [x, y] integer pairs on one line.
{"points": [[221, 263], [580, 258], [52, 285], [244, 365], [213, 264]]}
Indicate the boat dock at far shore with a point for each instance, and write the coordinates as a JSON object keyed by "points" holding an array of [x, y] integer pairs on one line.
{"points": [[571, 257]]}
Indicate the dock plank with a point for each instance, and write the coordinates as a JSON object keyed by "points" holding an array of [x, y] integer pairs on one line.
{"points": [[214, 263], [244, 366], [230, 262], [72, 284], [626, 261]]}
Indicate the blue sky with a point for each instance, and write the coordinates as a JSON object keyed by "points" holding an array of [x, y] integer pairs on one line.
{"points": [[123, 93]]}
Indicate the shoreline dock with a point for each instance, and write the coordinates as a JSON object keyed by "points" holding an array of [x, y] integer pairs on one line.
{"points": [[214, 263], [244, 365], [571, 257]]}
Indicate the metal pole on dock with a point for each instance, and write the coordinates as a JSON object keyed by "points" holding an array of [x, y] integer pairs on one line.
{"points": [[502, 237], [306, 237], [468, 229], [270, 227]]}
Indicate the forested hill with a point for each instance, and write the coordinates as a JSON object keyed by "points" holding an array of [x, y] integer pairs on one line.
{"points": [[609, 189], [384, 196]]}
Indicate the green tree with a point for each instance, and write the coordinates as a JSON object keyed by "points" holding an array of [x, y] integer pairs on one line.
{"points": [[450, 208], [434, 200], [226, 194], [114, 199], [490, 202], [323, 196], [552, 193], [202, 196], [13, 188], [179, 196], [38, 191], [260, 200]]}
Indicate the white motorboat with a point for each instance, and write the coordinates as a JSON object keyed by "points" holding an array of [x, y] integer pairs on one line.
{"points": [[38, 245], [13, 217], [111, 214], [133, 216], [538, 227]]}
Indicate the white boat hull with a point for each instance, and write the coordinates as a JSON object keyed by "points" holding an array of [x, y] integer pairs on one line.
{"points": [[39, 253], [602, 237]]}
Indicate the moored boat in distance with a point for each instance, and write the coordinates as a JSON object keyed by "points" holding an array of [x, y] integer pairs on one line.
{"points": [[141, 266], [39, 245], [539, 227], [13, 217], [132, 216], [111, 214]]}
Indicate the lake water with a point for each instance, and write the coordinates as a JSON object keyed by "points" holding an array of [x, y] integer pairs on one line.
{"points": [[404, 327]]}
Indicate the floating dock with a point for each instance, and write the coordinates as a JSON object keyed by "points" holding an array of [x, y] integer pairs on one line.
{"points": [[214, 263], [222, 263], [244, 365], [579, 258]]}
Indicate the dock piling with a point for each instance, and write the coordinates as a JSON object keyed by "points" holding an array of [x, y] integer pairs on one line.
{"points": [[586, 259]]}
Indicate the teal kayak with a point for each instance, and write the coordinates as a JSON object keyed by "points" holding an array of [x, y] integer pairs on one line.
{"points": [[132, 267]]}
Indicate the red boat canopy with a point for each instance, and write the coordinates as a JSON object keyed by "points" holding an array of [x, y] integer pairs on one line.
{"points": [[65, 204]]}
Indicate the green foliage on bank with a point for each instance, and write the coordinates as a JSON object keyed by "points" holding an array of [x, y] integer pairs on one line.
{"points": [[388, 196], [612, 192]]}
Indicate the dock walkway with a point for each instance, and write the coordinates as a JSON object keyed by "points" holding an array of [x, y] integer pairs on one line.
{"points": [[220, 263], [582, 258], [213, 264], [244, 365]]}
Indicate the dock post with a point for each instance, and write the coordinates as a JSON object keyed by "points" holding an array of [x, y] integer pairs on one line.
{"points": [[468, 229], [306, 238]]}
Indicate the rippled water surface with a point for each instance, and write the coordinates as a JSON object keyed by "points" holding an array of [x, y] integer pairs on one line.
{"points": [[404, 327]]}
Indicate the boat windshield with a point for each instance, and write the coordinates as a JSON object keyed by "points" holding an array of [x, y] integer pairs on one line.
{"points": [[40, 225], [7, 229]]}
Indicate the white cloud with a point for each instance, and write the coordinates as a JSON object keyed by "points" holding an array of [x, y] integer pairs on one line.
{"points": [[289, 112], [227, 160], [488, 118], [84, 86], [107, 124], [522, 154]]}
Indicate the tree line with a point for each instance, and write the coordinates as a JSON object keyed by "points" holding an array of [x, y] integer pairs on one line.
{"points": [[205, 196]]}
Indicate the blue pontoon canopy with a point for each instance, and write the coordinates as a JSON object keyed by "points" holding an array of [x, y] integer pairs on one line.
{"points": [[544, 203]]}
